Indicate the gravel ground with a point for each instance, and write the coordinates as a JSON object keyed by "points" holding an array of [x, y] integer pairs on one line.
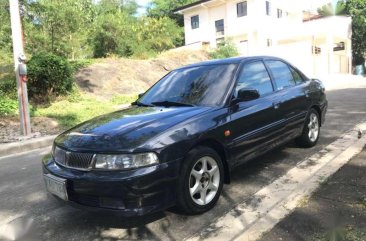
{"points": [[41, 126]]}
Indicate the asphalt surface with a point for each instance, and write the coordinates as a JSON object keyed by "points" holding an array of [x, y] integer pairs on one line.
{"points": [[23, 198]]}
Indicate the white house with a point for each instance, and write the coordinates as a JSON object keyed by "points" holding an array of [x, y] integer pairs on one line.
{"points": [[273, 27]]}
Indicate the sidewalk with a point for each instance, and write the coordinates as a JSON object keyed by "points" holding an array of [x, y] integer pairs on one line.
{"points": [[335, 212]]}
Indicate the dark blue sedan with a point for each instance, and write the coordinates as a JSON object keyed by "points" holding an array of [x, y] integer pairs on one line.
{"points": [[176, 145]]}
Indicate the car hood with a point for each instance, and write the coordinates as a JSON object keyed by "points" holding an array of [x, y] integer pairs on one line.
{"points": [[124, 130]]}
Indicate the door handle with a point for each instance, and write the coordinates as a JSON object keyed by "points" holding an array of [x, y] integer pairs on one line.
{"points": [[277, 104]]}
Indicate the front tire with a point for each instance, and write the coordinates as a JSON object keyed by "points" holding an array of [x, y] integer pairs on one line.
{"points": [[201, 181], [311, 130]]}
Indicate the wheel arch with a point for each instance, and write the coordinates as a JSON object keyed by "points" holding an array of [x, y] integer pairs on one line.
{"points": [[317, 109], [221, 150]]}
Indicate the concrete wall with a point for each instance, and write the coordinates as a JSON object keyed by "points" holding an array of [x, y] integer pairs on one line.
{"points": [[289, 36], [236, 26]]}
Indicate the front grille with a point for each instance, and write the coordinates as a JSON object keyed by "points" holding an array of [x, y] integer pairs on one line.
{"points": [[73, 159]]}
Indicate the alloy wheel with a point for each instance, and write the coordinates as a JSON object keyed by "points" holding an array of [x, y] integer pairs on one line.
{"points": [[313, 127], [204, 180]]}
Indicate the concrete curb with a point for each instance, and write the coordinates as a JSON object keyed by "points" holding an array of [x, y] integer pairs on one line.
{"points": [[27, 145], [247, 221]]}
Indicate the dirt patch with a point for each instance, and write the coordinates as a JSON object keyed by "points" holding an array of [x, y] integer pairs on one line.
{"points": [[109, 77], [41, 126]]}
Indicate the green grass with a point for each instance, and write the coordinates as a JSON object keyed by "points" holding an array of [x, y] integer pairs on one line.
{"points": [[123, 99], [76, 109]]}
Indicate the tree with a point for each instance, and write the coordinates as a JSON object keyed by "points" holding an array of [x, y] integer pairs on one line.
{"points": [[163, 8], [112, 35], [357, 10], [155, 35], [86, 28], [58, 26], [5, 31], [332, 10], [113, 6]]}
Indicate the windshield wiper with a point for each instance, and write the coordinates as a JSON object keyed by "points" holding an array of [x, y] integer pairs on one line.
{"points": [[138, 103], [170, 103]]}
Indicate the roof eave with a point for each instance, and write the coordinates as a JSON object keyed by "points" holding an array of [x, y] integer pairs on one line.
{"points": [[181, 10]]}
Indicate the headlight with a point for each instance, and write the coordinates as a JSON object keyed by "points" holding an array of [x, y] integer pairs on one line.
{"points": [[128, 161]]}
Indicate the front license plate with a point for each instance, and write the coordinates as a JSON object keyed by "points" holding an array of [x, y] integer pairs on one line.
{"points": [[56, 186]]}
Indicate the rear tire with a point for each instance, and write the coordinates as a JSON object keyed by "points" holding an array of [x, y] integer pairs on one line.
{"points": [[201, 181], [311, 130]]}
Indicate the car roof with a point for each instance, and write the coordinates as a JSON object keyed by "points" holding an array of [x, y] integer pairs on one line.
{"points": [[234, 60]]}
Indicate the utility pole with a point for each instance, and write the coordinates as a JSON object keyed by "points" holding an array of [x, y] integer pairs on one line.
{"points": [[20, 67]]}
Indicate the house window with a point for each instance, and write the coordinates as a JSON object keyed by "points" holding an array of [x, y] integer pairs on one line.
{"points": [[195, 22], [316, 50], [219, 25], [268, 8], [339, 46], [220, 41], [279, 13], [242, 9]]}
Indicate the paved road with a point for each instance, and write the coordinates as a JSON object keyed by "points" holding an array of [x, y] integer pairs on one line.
{"points": [[22, 195]]}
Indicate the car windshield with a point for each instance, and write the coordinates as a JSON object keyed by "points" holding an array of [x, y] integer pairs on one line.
{"points": [[204, 85]]}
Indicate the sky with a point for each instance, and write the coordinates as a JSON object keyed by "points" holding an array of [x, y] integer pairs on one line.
{"points": [[143, 5]]}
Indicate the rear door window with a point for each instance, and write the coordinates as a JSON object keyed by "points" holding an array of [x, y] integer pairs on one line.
{"points": [[282, 74], [297, 77]]}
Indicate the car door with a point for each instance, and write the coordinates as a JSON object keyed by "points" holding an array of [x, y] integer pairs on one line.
{"points": [[290, 97], [254, 123]]}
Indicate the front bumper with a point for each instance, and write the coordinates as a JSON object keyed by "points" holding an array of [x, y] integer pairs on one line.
{"points": [[130, 193]]}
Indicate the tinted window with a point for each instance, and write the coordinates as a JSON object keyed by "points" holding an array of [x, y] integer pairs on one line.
{"points": [[200, 85], [281, 74], [195, 22], [241, 9], [297, 77], [255, 76]]}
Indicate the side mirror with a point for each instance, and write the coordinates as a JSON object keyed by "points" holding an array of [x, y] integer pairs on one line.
{"points": [[246, 94]]}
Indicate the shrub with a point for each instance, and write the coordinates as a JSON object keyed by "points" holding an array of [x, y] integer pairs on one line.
{"points": [[8, 106], [48, 76], [225, 50], [8, 87]]}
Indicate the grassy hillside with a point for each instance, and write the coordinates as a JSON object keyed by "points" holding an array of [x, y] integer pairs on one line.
{"points": [[117, 76]]}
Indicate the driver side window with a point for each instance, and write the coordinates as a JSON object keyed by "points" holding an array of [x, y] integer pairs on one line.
{"points": [[254, 76]]}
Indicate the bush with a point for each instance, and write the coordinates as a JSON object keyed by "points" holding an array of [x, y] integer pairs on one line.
{"points": [[8, 87], [48, 76], [8, 106], [225, 50]]}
